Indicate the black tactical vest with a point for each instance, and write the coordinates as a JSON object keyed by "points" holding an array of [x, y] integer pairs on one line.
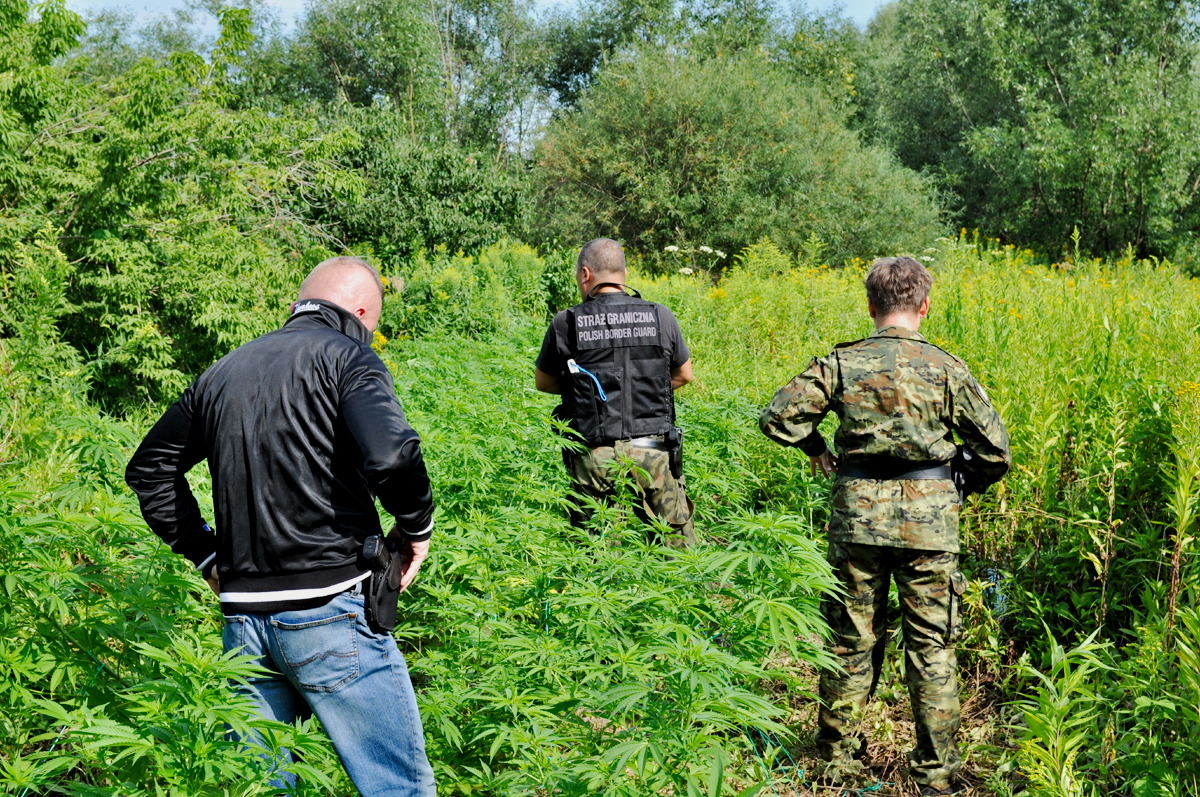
{"points": [[621, 387]]}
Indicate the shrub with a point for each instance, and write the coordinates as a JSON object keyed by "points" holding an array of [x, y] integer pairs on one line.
{"points": [[418, 193], [504, 288], [671, 150], [1044, 116]]}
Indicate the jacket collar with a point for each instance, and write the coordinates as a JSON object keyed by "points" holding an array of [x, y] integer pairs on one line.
{"points": [[897, 332], [318, 312]]}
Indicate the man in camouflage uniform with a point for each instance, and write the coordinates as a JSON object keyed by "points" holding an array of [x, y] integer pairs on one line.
{"points": [[616, 360], [900, 401]]}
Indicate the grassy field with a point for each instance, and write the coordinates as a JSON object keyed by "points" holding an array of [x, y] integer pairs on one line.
{"points": [[550, 662]]}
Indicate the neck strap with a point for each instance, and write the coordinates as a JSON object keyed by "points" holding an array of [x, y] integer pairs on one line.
{"points": [[625, 289]]}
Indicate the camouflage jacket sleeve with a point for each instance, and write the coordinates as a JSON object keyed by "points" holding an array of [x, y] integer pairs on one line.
{"points": [[982, 432], [792, 417]]}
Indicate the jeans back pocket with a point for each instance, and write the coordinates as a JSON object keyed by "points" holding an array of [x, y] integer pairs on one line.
{"points": [[233, 634], [321, 654]]}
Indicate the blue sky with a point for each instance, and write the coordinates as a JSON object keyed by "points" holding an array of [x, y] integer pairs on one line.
{"points": [[860, 11]]}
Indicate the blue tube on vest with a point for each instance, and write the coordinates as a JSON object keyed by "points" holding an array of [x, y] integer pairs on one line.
{"points": [[576, 368]]}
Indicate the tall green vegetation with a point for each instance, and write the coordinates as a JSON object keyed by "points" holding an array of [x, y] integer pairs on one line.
{"points": [[582, 41], [1027, 120], [671, 149], [151, 188], [366, 52], [1047, 115], [154, 184], [449, 101], [592, 663], [162, 194], [417, 194]]}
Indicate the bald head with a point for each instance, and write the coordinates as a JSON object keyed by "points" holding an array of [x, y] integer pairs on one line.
{"points": [[350, 283]]}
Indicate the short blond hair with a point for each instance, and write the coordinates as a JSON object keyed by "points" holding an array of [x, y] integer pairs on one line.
{"points": [[897, 283]]}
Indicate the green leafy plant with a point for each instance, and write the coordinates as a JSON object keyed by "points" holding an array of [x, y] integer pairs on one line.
{"points": [[672, 149]]}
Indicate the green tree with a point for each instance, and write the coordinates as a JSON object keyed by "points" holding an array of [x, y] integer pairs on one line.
{"points": [[116, 38], [463, 71], [670, 149], [419, 195], [491, 54], [33, 93], [579, 42], [362, 51], [182, 221], [1047, 115], [823, 50]]}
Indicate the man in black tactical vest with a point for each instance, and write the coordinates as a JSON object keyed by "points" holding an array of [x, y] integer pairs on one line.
{"points": [[616, 360]]}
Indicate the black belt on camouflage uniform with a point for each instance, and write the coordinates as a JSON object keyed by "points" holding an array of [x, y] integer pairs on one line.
{"points": [[894, 470]]}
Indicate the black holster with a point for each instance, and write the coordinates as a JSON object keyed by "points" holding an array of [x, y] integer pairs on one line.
{"points": [[382, 594], [965, 480], [674, 440]]}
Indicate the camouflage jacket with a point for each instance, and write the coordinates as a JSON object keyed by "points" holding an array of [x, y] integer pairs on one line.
{"points": [[898, 397]]}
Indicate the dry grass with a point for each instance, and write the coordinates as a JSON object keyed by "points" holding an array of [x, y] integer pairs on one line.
{"points": [[887, 723]]}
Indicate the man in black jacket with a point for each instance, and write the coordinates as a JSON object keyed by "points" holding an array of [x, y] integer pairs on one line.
{"points": [[302, 432], [616, 360]]}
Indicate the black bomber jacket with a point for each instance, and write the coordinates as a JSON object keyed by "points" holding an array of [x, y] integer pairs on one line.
{"points": [[302, 431]]}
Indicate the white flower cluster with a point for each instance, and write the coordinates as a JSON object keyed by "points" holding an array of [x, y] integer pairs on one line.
{"points": [[704, 250]]}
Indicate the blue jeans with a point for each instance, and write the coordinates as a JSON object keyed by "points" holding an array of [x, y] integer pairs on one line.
{"points": [[326, 661]]}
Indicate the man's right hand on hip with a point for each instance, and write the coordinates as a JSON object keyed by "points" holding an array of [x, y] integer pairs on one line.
{"points": [[411, 554]]}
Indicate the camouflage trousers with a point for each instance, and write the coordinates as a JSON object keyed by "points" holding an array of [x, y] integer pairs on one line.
{"points": [[663, 497], [930, 587]]}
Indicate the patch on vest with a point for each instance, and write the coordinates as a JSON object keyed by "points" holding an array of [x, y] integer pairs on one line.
{"points": [[631, 327]]}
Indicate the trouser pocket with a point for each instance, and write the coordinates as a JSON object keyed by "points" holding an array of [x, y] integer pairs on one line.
{"points": [[958, 588], [233, 635], [322, 655]]}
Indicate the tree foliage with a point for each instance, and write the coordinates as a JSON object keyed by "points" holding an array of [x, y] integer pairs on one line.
{"points": [[580, 42], [361, 51], [671, 149], [188, 212], [417, 194], [491, 53], [1048, 115], [150, 186], [163, 190]]}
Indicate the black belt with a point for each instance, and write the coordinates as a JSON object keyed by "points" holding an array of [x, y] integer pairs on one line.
{"points": [[894, 471], [654, 443]]}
